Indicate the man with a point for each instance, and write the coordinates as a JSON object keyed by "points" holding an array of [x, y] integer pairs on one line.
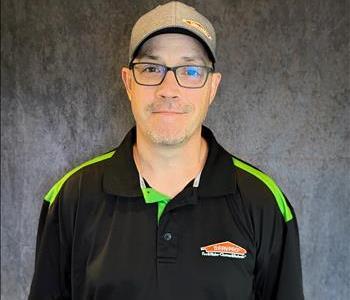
{"points": [[169, 214]]}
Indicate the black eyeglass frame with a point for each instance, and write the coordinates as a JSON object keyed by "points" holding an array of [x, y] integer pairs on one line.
{"points": [[209, 69]]}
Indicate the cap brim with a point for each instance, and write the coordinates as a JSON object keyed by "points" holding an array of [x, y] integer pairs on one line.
{"points": [[172, 29]]}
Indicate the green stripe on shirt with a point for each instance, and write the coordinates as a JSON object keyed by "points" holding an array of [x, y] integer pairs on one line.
{"points": [[53, 192], [280, 199]]}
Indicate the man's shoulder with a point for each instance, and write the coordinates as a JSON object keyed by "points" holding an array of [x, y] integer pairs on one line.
{"points": [[259, 189], [90, 168]]}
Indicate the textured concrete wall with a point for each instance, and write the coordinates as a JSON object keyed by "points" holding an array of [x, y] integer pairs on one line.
{"points": [[283, 105]]}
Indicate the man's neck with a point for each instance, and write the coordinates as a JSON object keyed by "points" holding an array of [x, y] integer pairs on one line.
{"points": [[169, 168]]}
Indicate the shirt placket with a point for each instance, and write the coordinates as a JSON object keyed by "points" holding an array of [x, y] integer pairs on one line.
{"points": [[151, 195]]}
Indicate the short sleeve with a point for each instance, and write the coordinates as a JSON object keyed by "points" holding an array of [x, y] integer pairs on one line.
{"points": [[52, 274]]}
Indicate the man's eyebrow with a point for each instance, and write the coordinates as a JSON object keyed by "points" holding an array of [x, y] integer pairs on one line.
{"points": [[194, 59], [186, 59], [149, 56]]}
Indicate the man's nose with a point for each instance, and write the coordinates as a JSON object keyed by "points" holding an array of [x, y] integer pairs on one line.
{"points": [[169, 88]]}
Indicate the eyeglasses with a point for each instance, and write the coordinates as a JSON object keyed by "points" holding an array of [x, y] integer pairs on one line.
{"points": [[187, 76]]}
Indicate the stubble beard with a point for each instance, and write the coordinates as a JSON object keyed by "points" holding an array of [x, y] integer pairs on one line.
{"points": [[167, 137]]}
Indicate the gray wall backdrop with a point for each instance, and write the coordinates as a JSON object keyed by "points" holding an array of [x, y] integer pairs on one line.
{"points": [[283, 106]]}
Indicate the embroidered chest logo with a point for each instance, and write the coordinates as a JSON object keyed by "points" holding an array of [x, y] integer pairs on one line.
{"points": [[224, 249]]}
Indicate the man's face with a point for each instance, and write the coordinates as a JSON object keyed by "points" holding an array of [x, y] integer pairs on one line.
{"points": [[169, 114]]}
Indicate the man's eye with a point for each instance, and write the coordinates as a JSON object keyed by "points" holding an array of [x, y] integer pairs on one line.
{"points": [[151, 69], [192, 72]]}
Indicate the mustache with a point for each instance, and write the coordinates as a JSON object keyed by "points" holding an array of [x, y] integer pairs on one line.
{"points": [[168, 105]]}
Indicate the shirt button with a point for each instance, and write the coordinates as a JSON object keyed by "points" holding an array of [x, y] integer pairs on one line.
{"points": [[167, 236]]}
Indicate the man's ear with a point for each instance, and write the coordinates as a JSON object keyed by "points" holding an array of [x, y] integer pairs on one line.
{"points": [[215, 81], [126, 76]]}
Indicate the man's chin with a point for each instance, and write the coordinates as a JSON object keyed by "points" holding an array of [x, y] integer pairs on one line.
{"points": [[167, 138]]}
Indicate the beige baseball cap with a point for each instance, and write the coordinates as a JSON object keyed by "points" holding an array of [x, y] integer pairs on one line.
{"points": [[175, 17]]}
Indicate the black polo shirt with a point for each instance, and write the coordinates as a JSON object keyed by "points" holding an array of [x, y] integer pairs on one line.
{"points": [[234, 236]]}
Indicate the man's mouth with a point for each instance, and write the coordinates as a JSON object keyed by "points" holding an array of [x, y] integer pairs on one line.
{"points": [[168, 112]]}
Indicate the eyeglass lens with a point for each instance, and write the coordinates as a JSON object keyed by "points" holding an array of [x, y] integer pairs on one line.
{"points": [[153, 74]]}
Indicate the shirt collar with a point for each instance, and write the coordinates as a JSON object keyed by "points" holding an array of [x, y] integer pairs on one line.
{"points": [[217, 178]]}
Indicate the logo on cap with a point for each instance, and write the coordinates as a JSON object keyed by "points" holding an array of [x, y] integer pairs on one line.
{"points": [[198, 26], [225, 249]]}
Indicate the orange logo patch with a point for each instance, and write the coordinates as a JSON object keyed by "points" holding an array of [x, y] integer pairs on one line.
{"points": [[198, 26], [225, 249]]}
